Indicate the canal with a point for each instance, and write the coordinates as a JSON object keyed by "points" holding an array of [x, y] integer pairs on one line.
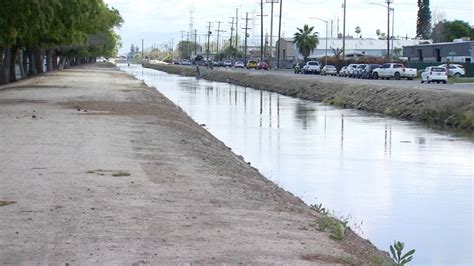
{"points": [[394, 180]]}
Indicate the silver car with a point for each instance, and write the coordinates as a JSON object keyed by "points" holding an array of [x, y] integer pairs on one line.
{"points": [[329, 70]]}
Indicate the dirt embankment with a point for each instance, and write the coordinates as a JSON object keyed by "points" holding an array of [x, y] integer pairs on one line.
{"points": [[97, 168], [438, 107]]}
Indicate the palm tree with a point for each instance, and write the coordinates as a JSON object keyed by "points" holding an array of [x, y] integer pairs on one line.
{"points": [[306, 40]]}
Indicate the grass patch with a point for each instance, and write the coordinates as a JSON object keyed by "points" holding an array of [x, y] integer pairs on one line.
{"points": [[460, 80], [102, 172], [6, 202], [339, 101], [327, 222], [121, 173]]}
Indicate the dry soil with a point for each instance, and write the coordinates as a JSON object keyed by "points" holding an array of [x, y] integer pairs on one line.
{"points": [[96, 168]]}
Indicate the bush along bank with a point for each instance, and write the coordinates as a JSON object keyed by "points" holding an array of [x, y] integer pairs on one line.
{"points": [[433, 107]]}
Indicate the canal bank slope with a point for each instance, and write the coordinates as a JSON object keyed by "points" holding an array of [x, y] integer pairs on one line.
{"points": [[430, 106], [98, 168]]}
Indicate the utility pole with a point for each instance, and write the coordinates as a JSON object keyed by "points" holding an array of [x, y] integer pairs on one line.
{"points": [[279, 35], [142, 50], [388, 27], [236, 29], [172, 48], [195, 42], [209, 32], [271, 26], [344, 35], [261, 30], [246, 36], [231, 31], [182, 43], [187, 45], [218, 31]]}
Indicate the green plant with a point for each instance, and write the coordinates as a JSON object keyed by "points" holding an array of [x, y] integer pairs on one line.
{"points": [[121, 173], [324, 223], [396, 253], [320, 209], [6, 202], [338, 231]]}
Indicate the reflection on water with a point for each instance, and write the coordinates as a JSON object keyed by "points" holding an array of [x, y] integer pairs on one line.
{"points": [[402, 181]]}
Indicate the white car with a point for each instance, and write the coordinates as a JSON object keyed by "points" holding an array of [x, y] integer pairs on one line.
{"points": [[239, 64], [312, 67], [434, 74], [455, 70], [350, 70], [227, 63], [329, 70], [185, 62]]}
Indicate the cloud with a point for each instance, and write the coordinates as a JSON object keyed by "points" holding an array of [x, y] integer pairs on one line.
{"points": [[157, 21]]}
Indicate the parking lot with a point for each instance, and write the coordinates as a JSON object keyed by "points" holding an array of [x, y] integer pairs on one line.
{"points": [[463, 87]]}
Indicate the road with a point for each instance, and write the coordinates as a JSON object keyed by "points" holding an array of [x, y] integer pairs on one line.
{"points": [[461, 87]]}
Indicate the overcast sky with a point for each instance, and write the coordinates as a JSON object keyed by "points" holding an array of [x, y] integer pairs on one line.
{"points": [[158, 21]]}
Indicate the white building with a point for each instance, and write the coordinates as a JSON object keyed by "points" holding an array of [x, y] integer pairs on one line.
{"points": [[354, 47]]}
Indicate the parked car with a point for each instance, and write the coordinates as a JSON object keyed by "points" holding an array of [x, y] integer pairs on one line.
{"points": [[350, 70], [394, 70], [434, 74], [329, 70], [358, 70], [252, 64], [239, 64], [262, 65], [343, 72], [367, 73], [227, 63], [185, 62], [299, 67], [312, 67], [454, 70]]}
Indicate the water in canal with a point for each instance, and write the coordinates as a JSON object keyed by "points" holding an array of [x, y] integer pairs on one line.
{"points": [[401, 180]]}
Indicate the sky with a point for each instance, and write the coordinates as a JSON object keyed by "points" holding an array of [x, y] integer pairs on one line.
{"points": [[159, 22]]}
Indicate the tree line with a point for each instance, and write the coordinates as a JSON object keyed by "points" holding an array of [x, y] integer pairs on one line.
{"points": [[61, 32]]}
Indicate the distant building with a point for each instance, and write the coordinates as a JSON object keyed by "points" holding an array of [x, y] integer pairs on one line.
{"points": [[354, 47], [457, 52]]}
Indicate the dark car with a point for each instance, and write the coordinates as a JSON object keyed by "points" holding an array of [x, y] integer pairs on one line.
{"points": [[367, 73], [262, 65]]}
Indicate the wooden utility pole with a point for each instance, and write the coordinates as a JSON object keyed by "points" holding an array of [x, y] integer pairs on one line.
{"points": [[246, 36], [261, 30], [195, 42], [236, 29], [218, 32], [279, 35], [344, 35], [209, 32], [231, 31]]}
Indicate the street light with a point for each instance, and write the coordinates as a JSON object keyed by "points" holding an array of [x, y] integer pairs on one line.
{"points": [[388, 26], [325, 21]]}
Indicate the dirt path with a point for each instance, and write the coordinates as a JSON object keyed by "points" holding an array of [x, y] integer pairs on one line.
{"points": [[68, 141], [452, 109]]}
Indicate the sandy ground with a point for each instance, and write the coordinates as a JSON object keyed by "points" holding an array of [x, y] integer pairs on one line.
{"points": [[188, 199], [440, 107]]}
